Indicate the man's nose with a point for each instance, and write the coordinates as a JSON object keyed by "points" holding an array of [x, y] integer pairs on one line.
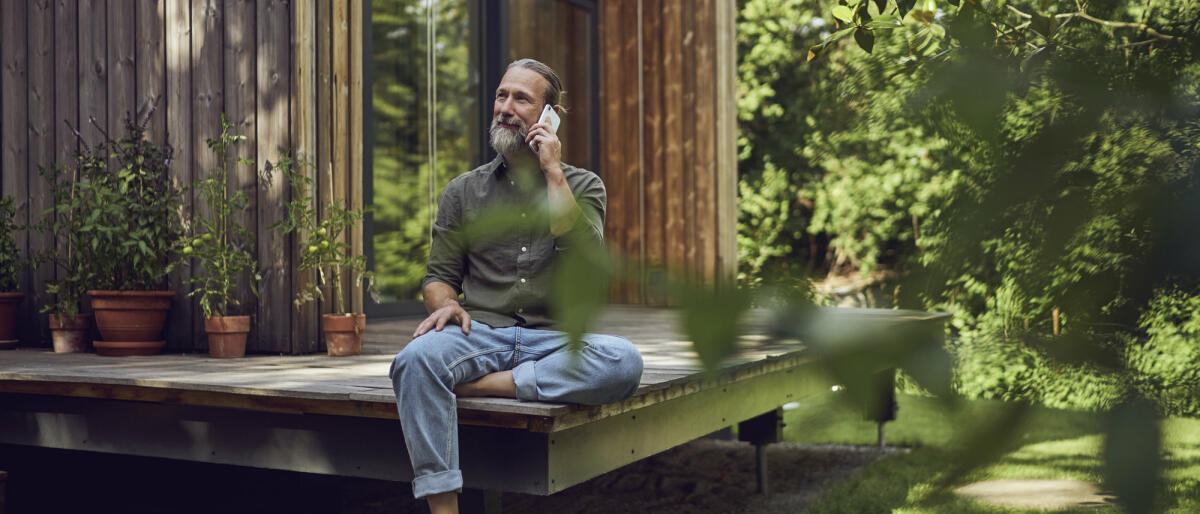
{"points": [[504, 106]]}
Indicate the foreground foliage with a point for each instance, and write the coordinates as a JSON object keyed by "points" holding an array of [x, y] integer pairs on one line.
{"points": [[1030, 167], [1052, 444]]}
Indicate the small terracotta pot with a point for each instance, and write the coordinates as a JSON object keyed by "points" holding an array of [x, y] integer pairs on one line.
{"points": [[343, 333], [227, 335], [70, 335], [10, 307], [131, 316]]}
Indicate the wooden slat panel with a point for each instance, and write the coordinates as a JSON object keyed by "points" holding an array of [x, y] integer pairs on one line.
{"points": [[93, 69], [178, 45], [676, 154], [726, 123], [274, 82], [325, 136], [66, 90], [304, 127], [14, 136], [355, 187], [41, 150], [151, 69], [690, 147], [208, 101], [655, 153], [122, 76], [341, 119], [610, 56], [66, 76], [240, 88], [630, 198], [704, 172]]}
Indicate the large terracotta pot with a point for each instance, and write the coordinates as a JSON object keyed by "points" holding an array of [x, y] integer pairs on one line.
{"points": [[343, 333], [70, 335], [227, 335], [130, 322], [10, 307]]}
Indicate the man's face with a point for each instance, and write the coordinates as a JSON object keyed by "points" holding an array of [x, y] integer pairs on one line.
{"points": [[517, 106]]}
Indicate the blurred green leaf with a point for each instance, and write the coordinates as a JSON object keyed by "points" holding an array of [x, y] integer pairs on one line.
{"points": [[711, 319], [582, 275]]}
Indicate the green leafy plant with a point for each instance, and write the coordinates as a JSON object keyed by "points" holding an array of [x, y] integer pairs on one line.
{"points": [[10, 263], [321, 245], [135, 222], [220, 243], [74, 261]]}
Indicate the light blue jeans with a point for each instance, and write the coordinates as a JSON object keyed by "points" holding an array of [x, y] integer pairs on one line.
{"points": [[424, 373]]}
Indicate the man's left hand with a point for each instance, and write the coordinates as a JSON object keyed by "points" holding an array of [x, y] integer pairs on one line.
{"points": [[549, 148]]}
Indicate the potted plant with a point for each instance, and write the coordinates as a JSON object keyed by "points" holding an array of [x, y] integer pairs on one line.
{"points": [[10, 266], [323, 250], [222, 246], [133, 230], [73, 261]]}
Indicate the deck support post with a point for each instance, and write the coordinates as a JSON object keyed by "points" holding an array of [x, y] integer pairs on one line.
{"points": [[760, 431], [881, 406]]}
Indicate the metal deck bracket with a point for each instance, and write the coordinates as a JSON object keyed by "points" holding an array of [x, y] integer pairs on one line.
{"points": [[760, 431]]}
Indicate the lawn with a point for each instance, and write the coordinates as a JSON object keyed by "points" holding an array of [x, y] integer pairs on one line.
{"points": [[1050, 444]]}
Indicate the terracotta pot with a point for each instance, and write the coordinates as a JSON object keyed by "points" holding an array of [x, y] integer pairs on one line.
{"points": [[70, 335], [130, 322], [227, 335], [343, 333], [10, 307], [128, 348]]}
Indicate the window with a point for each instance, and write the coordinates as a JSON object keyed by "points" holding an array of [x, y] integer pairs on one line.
{"points": [[432, 68]]}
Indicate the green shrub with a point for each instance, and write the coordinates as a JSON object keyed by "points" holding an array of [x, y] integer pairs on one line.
{"points": [[1167, 364]]}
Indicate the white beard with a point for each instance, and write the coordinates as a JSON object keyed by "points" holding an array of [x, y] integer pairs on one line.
{"points": [[505, 141]]}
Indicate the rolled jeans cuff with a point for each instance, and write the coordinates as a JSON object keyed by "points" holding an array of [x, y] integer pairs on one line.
{"points": [[441, 482], [525, 379]]}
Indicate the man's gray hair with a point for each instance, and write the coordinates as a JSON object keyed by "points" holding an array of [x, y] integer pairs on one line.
{"points": [[554, 85]]}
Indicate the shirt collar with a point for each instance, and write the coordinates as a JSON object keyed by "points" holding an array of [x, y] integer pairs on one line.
{"points": [[496, 169]]}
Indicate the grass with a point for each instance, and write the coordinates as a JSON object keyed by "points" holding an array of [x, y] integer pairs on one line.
{"points": [[1047, 444]]}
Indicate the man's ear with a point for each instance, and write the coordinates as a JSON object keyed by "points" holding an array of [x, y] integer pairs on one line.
{"points": [[558, 109]]}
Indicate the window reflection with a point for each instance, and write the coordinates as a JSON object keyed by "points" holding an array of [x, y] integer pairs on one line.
{"points": [[405, 188]]}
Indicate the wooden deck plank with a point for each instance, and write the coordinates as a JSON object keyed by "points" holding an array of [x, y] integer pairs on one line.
{"points": [[318, 384]]}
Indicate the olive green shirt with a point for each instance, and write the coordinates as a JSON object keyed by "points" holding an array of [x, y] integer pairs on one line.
{"points": [[505, 278]]}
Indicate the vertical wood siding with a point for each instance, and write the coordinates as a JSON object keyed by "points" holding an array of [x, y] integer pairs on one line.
{"points": [[288, 74], [676, 204], [266, 64]]}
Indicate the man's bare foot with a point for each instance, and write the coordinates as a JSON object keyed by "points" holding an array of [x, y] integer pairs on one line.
{"points": [[499, 384]]}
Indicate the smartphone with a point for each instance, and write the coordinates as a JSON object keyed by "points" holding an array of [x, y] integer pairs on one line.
{"points": [[548, 116]]}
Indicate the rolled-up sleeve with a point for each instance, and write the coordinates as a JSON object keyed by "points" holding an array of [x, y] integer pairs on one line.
{"points": [[592, 199], [448, 252]]}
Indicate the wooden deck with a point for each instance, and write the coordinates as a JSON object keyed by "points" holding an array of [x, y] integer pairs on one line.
{"points": [[290, 404]]}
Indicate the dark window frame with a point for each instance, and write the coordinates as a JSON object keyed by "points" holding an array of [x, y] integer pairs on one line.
{"points": [[494, 20]]}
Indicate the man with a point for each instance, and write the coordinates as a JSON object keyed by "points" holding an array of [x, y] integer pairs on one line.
{"points": [[504, 345]]}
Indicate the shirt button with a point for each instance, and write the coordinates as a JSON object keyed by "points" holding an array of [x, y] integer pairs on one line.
{"points": [[511, 183], [521, 310], [522, 281], [523, 249], [522, 215]]}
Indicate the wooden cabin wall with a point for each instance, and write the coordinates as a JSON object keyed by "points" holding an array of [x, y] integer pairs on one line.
{"points": [[286, 74], [668, 141]]}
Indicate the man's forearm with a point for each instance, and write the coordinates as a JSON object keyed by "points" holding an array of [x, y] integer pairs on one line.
{"points": [[564, 210], [437, 295]]}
